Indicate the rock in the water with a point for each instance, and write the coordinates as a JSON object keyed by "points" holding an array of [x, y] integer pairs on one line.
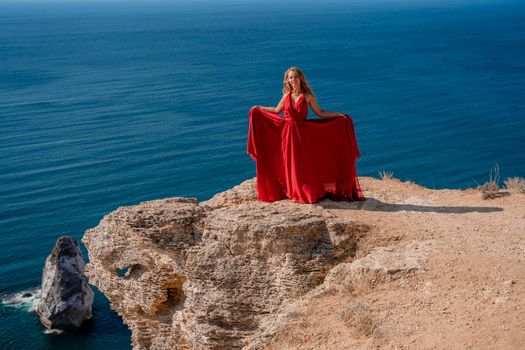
{"points": [[66, 297]]}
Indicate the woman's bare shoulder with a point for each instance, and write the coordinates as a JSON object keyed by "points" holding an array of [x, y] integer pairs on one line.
{"points": [[309, 97]]}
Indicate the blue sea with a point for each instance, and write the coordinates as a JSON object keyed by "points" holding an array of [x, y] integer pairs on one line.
{"points": [[109, 104]]}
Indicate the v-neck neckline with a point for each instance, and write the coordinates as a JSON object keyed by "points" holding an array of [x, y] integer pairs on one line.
{"points": [[294, 101]]}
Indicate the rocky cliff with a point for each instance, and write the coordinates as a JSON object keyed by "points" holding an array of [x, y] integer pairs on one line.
{"points": [[234, 273], [185, 275]]}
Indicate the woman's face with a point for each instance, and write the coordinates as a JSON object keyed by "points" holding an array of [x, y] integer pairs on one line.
{"points": [[294, 80]]}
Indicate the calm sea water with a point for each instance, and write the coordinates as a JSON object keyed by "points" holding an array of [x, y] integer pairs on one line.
{"points": [[109, 105]]}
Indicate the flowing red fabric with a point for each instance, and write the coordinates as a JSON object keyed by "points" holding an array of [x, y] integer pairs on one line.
{"points": [[303, 160]]}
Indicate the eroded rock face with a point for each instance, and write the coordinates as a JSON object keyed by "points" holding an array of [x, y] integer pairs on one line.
{"points": [[185, 275], [66, 298], [381, 264]]}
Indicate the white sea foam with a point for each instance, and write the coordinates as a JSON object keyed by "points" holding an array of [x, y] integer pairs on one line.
{"points": [[53, 331], [26, 300]]}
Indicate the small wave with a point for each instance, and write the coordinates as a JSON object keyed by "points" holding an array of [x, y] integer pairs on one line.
{"points": [[26, 300], [53, 331]]}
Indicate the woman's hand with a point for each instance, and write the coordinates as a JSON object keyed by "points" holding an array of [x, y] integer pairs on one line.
{"points": [[333, 115]]}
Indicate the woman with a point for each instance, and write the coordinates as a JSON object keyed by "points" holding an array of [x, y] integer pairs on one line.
{"points": [[302, 160]]}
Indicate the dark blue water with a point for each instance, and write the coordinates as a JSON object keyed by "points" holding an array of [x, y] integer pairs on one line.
{"points": [[109, 105]]}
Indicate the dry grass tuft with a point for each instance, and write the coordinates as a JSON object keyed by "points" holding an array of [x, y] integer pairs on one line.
{"points": [[490, 189], [515, 183], [386, 174]]}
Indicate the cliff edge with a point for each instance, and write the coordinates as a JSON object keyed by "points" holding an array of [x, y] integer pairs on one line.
{"points": [[408, 268]]}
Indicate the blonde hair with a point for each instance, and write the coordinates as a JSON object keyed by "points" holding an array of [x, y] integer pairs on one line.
{"points": [[304, 84]]}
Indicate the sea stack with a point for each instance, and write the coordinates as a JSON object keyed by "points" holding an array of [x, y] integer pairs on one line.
{"points": [[66, 298]]}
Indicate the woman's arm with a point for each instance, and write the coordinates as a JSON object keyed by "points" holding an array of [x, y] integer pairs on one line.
{"points": [[277, 109], [317, 110]]}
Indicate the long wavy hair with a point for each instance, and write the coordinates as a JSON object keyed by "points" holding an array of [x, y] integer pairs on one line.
{"points": [[287, 87]]}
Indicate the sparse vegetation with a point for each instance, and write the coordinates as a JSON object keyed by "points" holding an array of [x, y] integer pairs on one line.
{"points": [[490, 189], [386, 174], [515, 183]]}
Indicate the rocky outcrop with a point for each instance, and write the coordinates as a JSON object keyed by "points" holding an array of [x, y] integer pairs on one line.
{"points": [[189, 275], [66, 298], [430, 269]]}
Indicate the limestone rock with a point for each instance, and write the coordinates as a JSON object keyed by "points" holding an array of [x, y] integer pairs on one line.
{"points": [[66, 298], [185, 275], [244, 192], [380, 264]]}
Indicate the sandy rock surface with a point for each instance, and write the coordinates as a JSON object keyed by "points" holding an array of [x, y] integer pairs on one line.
{"points": [[453, 275], [410, 268]]}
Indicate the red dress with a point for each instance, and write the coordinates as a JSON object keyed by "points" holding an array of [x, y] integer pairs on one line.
{"points": [[303, 160]]}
